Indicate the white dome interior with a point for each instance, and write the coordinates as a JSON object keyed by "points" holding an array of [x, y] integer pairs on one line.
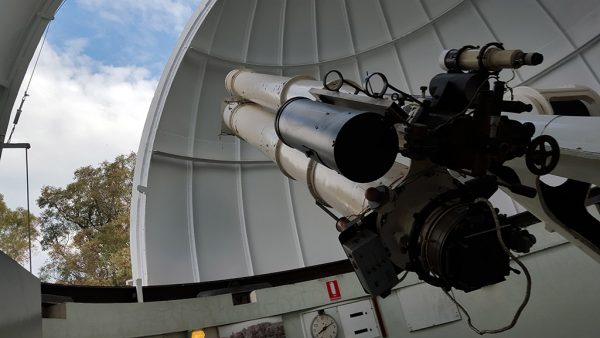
{"points": [[199, 214]]}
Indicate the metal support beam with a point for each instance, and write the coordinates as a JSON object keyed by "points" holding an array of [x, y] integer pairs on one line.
{"points": [[15, 146]]}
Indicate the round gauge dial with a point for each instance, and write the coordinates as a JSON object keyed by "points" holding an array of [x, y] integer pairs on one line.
{"points": [[324, 326]]}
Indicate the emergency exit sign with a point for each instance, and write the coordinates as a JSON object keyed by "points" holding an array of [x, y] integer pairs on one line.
{"points": [[333, 290]]}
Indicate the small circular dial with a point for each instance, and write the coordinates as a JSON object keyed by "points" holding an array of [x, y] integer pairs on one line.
{"points": [[324, 326]]}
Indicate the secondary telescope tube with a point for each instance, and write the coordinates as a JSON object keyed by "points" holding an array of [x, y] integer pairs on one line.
{"points": [[271, 91], [255, 124]]}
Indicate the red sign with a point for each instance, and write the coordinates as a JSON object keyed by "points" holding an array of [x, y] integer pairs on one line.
{"points": [[333, 290]]}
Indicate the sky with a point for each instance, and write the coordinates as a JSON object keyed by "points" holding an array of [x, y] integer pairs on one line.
{"points": [[91, 90]]}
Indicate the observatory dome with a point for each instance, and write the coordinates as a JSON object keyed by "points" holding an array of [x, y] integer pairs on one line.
{"points": [[207, 207]]}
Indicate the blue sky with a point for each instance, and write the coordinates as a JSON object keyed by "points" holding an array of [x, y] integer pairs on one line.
{"points": [[123, 32], [96, 75], [91, 90]]}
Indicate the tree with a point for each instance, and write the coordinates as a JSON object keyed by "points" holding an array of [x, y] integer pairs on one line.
{"points": [[85, 226], [14, 240]]}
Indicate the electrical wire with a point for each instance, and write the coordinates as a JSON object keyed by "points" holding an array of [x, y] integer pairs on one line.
{"points": [[26, 93], [28, 213], [16, 121], [509, 88], [35, 64], [516, 260], [403, 277], [61, 5], [514, 74], [327, 211]]}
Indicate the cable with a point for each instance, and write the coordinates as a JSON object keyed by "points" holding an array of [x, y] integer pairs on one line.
{"points": [[26, 93], [28, 217], [401, 279], [509, 88], [61, 5], [37, 59], [516, 260], [16, 120], [514, 74], [327, 211]]}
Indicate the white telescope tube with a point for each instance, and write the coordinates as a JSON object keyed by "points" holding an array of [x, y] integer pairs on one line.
{"points": [[579, 140], [255, 125], [578, 136], [271, 91]]}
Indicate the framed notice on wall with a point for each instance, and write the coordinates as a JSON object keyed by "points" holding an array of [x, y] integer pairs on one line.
{"points": [[271, 327]]}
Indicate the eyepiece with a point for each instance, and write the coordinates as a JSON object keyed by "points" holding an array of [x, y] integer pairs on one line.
{"points": [[533, 59]]}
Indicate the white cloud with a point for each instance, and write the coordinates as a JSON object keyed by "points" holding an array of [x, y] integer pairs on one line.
{"points": [[157, 15], [80, 112]]}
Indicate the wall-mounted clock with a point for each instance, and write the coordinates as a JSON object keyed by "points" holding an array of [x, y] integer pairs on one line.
{"points": [[324, 326]]}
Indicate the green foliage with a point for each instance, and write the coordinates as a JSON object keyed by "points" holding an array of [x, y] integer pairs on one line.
{"points": [[14, 234], [85, 226]]}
